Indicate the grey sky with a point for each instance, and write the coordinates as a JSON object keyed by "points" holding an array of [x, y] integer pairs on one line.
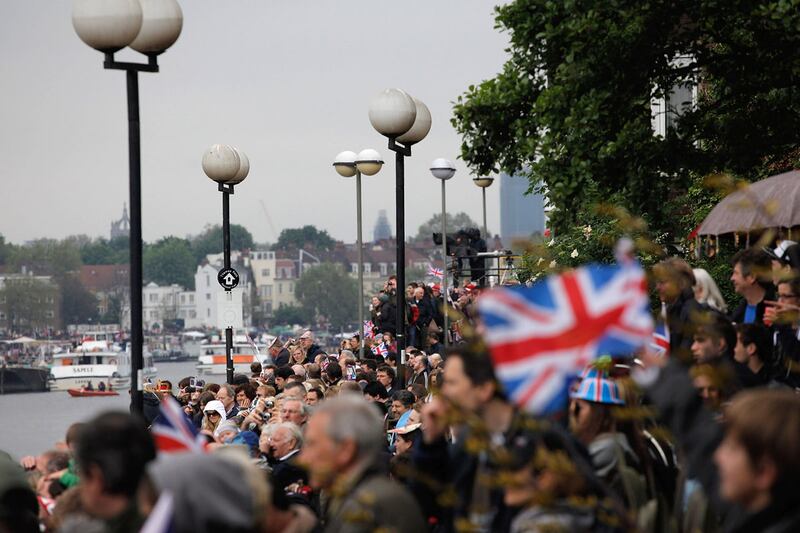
{"points": [[287, 81]]}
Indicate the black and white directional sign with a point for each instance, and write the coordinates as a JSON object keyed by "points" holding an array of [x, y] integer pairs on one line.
{"points": [[228, 278]]}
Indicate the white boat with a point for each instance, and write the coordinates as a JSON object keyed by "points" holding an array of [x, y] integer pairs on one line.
{"points": [[71, 370], [211, 360]]}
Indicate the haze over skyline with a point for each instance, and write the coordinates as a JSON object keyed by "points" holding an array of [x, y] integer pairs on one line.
{"points": [[288, 83]]}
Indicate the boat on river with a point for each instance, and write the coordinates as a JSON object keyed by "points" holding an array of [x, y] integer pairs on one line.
{"points": [[79, 393], [17, 378], [75, 369], [211, 360]]}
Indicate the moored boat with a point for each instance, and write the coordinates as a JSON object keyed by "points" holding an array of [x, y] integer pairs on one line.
{"points": [[211, 360], [83, 392], [74, 370]]}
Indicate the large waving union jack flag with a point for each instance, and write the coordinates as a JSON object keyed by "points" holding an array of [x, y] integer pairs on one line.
{"points": [[542, 336], [173, 431]]}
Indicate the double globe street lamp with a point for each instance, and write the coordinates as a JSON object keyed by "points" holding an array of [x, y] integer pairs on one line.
{"points": [[227, 166], [149, 27], [349, 164], [405, 121], [443, 170]]}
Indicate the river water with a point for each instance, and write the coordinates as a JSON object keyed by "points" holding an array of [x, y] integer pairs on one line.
{"points": [[32, 423]]}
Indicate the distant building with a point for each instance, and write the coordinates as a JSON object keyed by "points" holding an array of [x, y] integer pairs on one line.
{"points": [[521, 215], [162, 303], [274, 280], [383, 230], [121, 227]]}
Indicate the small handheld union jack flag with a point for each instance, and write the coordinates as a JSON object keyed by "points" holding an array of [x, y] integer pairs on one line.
{"points": [[381, 349], [542, 336], [369, 329], [435, 272]]}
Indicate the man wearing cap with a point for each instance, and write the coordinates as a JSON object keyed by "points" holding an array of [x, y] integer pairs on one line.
{"points": [[307, 343]]}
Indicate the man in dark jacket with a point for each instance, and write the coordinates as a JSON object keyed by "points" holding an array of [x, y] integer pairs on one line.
{"points": [[751, 278], [472, 395], [311, 349]]}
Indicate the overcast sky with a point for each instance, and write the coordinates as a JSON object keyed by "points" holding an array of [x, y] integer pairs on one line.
{"points": [[288, 81]]}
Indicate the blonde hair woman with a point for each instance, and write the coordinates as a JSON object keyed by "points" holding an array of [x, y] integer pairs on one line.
{"points": [[707, 292], [213, 414]]}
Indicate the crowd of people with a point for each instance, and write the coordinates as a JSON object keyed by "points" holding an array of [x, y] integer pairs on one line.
{"points": [[704, 436]]}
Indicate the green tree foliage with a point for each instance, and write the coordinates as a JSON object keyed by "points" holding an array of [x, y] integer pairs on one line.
{"points": [[78, 305], [455, 222], [571, 108], [106, 252], [169, 260], [6, 249], [46, 257], [331, 293], [210, 241], [307, 237], [292, 314]]}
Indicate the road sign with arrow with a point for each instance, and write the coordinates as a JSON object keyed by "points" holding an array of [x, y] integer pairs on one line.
{"points": [[228, 278]]}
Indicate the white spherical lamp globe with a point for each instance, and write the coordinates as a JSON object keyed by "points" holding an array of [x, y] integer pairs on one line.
{"points": [[345, 163], [162, 21], [244, 167], [221, 163], [369, 162], [443, 169], [392, 112], [421, 126], [107, 25]]}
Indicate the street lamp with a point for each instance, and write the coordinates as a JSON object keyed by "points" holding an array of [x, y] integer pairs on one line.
{"points": [[349, 164], [228, 166], [443, 169], [483, 183], [149, 27], [405, 121]]}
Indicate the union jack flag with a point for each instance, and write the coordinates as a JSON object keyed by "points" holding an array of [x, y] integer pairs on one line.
{"points": [[541, 337], [435, 272], [368, 329], [659, 343], [381, 349], [173, 431]]}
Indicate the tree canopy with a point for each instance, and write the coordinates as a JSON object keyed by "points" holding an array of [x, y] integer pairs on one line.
{"points": [[455, 222], [306, 237], [169, 260], [210, 241], [329, 292], [571, 108]]}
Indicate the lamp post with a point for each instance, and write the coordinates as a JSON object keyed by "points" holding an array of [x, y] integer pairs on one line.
{"points": [[405, 121], [349, 164], [443, 169], [149, 27], [483, 183], [227, 166]]}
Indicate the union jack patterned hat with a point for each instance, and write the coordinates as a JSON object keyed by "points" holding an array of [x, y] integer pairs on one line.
{"points": [[597, 387]]}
